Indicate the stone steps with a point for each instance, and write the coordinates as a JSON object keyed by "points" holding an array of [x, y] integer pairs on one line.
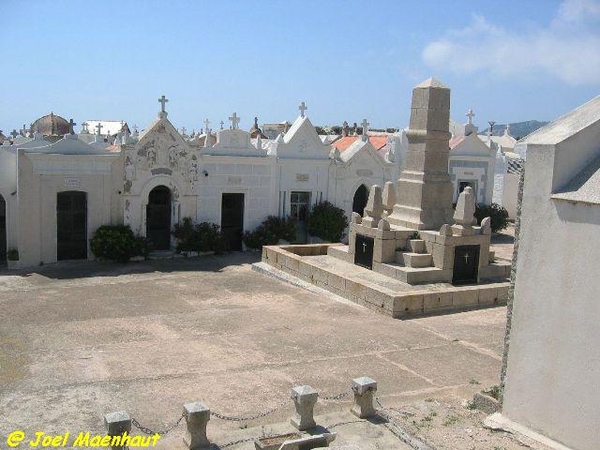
{"points": [[415, 260]]}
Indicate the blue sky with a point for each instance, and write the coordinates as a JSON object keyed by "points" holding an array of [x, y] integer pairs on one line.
{"points": [[111, 60]]}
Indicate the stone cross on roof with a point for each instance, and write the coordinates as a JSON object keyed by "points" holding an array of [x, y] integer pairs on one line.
{"points": [[98, 128], [206, 124], [365, 126], [470, 114], [14, 133], [163, 100], [235, 120], [222, 123], [183, 130], [71, 126], [302, 108]]}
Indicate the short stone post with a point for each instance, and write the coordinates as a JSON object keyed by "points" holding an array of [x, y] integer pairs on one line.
{"points": [[197, 415], [304, 398], [117, 424], [364, 389]]}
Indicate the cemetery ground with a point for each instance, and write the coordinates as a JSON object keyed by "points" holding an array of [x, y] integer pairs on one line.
{"points": [[79, 340]]}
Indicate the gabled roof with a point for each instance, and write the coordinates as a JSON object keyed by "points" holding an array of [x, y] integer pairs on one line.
{"points": [[378, 142], [566, 126]]}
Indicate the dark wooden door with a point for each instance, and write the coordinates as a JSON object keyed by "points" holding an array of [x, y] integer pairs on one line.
{"points": [[361, 196], [158, 218], [232, 220], [466, 264], [71, 225], [363, 251], [2, 230]]}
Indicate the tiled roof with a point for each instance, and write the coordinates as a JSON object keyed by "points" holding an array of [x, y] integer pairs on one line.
{"points": [[455, 140], [378, 142]]}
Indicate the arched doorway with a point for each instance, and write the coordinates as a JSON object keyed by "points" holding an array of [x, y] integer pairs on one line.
{"points": [[71, 225], [2, 230], [360, 199], [158, 218]]}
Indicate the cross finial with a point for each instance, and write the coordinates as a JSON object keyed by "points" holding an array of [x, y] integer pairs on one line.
{"points": [[163, 100], [98, 128], [71, 126], [302, 108], [470, 114], [183, 130], [365, 126], [206, 124], [235, 120], [14, 133], [222, 123]]}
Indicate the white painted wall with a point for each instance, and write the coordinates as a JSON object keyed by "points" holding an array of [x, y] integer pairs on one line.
{"points": [[553, 371]]}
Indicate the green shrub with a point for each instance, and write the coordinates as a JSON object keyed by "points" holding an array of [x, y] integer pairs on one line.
{"points": [[114, 243], [12, 254], [203, 237], [270, 231], [327, 222], [185, 233], [209, 237], [143, 246], [498, 216]]}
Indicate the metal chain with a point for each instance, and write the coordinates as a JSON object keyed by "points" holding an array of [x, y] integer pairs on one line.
{"points": [[149, 431], [239, 441], [339, 424], [339, 396], [248, 418]]}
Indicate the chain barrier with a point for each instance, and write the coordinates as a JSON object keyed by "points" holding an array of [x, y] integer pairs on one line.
{"points": [[336, 397], [248, 418], [239, 441], [149, 431]]}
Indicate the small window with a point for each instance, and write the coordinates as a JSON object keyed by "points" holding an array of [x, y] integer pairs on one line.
{"points": [[299, 205]]}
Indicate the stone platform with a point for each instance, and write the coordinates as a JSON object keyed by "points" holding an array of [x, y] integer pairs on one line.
{"points": [[315, 264]]}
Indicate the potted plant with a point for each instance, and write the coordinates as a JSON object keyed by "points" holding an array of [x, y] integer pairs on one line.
{"points": [[12, 257]]}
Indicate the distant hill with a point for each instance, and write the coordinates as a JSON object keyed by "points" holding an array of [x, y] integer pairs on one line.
{"points": [[518, 130]]}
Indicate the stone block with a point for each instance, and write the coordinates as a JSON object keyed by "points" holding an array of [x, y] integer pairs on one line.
{"points": [[305, 398], [355, 289], [292, 262], [503, 293], [428, 275], [198, 416], [465, 298], [488, 296], [416, 245], [411, 304], [437, 300], [384, 250], [484, 255], [364, 389], [117, 424], [417, 259], [336, 282], [443, 256]]}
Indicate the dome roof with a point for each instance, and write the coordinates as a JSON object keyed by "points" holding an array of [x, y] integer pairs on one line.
{"points": [[51, 125]]}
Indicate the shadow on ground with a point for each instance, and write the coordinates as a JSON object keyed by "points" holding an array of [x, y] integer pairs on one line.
{"points": [[66, 270]]}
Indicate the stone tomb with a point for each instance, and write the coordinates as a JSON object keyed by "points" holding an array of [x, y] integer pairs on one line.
{"points": [[410, 252]]}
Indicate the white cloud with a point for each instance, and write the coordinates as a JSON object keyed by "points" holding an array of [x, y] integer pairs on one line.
{"points": [[568, 48]]}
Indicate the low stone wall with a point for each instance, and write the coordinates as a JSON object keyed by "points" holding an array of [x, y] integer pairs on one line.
{"points": [[408, 304]]}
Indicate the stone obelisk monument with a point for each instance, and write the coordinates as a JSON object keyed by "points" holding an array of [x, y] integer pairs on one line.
{"points": [[424, 190]]}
